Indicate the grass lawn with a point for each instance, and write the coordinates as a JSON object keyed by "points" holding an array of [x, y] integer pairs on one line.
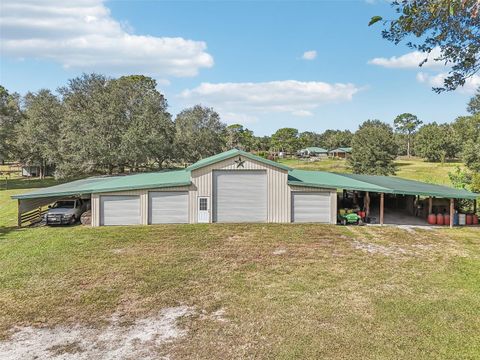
{"points": [[283, 291], [415, 169]]}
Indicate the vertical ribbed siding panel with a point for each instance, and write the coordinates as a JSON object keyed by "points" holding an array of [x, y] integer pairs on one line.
{"points": [[333, 199], [277, 188], [143, 202], [95, 208], [334, 207]]}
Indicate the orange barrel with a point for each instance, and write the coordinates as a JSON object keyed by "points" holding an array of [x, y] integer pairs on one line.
{"points": [[469, 219], [439, 219], [432, 219], [475, 220], [446, 219]]}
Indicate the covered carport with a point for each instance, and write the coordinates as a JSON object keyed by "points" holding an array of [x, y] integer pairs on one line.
{"points": [[409, 202], [33, 205], [388, 199]]}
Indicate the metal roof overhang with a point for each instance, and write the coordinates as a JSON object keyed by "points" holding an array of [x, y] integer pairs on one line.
{"points": [[76, 193]]}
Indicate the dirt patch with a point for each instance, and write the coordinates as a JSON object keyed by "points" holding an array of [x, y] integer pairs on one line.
{"points": [[379, 249], [117, 340], [279, 251]]}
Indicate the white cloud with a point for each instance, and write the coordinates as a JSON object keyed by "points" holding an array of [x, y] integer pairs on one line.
{"points": [[297, 98], [309, 55], [471, 84], [410, 60], [82, 34], [302, 113]]}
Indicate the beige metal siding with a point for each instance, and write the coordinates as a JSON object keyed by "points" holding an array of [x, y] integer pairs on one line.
{"points": [[143, 202], [277, 190], [333, 199]]}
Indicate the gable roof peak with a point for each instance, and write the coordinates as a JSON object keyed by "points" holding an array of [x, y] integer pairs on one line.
{"points": [[231, 153]]}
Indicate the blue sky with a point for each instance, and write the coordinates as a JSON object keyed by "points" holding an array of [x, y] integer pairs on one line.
{"points": [[245, 59]]}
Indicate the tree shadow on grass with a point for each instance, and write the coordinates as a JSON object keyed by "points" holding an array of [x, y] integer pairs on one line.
{"points": [[25, 183], [5, 230]]}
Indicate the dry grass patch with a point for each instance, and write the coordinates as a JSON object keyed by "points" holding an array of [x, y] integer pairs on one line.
{"points": [[265, 291]]}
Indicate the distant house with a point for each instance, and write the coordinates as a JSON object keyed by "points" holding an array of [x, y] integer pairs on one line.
{"points": [[341, 152], [313, 151], [35, 170]]}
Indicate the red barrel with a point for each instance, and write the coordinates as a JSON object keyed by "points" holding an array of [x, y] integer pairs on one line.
{"points": [[362, 214], [469, 219], [446, 219], [432, 219], [475, 219], [439, 219]]}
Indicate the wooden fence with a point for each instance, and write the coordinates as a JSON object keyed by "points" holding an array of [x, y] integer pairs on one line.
{"points": [[32, 217]]}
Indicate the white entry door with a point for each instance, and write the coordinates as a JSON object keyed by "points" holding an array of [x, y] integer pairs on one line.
{"points": [[203, 209]]}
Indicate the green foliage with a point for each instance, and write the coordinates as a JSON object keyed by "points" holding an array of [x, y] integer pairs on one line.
{"points": [[407, 124], [435, 142], [466, 128], [150, 130], [474, 104], [113, 123], [308, 139], [373, 149], [464, 179], [37, 133], [10, 116], [471, 154], [261, 143], [374, 20], [332, 139], [199, 133], [286, 139], [446, 25], [460, 179], [236, 136]]}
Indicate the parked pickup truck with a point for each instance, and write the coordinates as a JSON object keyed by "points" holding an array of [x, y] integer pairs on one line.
{"points": [[64, 212]]}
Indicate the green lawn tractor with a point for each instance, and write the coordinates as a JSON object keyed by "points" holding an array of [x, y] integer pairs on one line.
{"points": [[349, 219]]}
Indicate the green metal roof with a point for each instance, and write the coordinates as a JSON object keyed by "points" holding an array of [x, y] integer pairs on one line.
{"points": [[112, 183], [342, 149], [397, 185], [373, 183], [315, 149], [318, 179], [323, 179], [232, 153]]}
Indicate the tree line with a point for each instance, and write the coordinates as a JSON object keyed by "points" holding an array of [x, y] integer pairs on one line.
{"points": [[101, 125]]}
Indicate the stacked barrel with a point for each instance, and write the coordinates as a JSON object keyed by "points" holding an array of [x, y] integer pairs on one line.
{"points": [[458, 219]]}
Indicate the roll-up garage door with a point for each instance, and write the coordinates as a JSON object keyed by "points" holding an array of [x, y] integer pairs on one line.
{"points": [[240, 196], [311, 207], [120, 210], [168, 207]]}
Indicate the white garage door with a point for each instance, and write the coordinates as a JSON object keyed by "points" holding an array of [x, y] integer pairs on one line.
{"points": [[240, 196], [120, 210], [311, 207], [168, 207]]}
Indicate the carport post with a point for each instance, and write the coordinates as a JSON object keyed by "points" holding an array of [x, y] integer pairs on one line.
{"points": [[474, 206], [19, 216], [382, 201], [452, 203], [367, 204], [430, 205]]}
